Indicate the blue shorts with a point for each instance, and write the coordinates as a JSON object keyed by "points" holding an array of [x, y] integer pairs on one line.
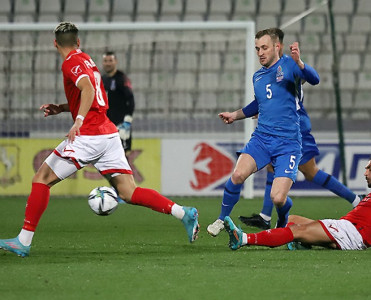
{"points": [[309, 148], [283, 153]]}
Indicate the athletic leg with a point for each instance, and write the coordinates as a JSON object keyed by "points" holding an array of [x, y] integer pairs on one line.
{"points": [[245, 166], [280, 188], [263, 219], [314, 174], [130, 193]]}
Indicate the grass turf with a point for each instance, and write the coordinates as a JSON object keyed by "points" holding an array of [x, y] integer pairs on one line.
{"points": [[140, 254]]}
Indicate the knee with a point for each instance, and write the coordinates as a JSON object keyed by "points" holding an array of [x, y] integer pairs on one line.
{"points": [[309, 173], [293, 219], [238, 177], [299, 231], [278, 198]]}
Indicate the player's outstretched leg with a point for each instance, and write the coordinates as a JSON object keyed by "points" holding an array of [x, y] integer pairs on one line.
{"points": [[190, 222], [15, 246], [154, 200], [235, 234]]}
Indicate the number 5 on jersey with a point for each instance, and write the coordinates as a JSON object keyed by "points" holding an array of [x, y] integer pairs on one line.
{"points": [[269, 91]]}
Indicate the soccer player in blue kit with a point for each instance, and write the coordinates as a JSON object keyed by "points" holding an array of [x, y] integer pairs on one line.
{"points": [[277, 137], [307, 165]]}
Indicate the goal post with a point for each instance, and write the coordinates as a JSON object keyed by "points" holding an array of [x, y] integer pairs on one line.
{"points": [[183, 74]]}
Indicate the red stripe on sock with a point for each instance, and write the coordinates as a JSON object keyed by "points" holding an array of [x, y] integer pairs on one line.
{"points": [[271, 238], [36, 205], [152, 199]]}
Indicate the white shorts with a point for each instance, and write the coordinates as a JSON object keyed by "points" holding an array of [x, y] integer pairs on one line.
{"points": [[343, 233], [104, 152]]}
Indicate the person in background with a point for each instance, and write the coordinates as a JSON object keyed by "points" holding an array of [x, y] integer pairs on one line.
{"points": [[120, 98]]}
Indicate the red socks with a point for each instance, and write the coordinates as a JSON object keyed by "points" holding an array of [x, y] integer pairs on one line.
{"points": [[271, 238], [152, 199], [36, 205]]}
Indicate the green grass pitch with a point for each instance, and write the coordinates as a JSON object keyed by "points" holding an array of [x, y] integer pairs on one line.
{"points": [[137, 253]]}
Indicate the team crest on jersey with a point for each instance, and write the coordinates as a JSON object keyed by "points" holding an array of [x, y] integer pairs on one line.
{"points": [[279, 74], [76, 70]]}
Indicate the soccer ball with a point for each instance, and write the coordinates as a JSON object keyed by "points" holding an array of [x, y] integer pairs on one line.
{"points": [[103, 200]]}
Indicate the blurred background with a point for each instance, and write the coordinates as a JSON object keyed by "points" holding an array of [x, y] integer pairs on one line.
{"points": [[181, 79]]}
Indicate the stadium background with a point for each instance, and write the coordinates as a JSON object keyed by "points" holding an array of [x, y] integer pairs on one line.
{"points": [[180, 83]]}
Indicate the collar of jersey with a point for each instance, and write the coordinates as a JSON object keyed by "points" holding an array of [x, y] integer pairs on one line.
{"points": [[73, 52]]}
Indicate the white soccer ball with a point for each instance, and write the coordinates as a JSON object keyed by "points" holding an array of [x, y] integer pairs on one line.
{"points": [[103, 200]]}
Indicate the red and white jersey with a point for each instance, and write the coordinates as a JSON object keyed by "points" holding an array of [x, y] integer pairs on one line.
{"points": [[78, 65], [360, 217]]}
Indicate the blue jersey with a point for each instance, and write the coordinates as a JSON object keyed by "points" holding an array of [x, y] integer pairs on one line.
{"points": [[277, 94], [252, 109], [305, 124]]}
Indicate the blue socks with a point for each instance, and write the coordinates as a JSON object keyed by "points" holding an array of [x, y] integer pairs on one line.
{"points": [[331, 183], [283, 213], [230, 198], [268, 204]]}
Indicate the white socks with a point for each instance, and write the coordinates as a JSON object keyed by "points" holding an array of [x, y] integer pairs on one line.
{"points": [[177, 211], [25, 237], [265, 217]]}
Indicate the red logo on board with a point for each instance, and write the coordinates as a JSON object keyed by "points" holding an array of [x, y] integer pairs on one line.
{"points": [[209, 166]]}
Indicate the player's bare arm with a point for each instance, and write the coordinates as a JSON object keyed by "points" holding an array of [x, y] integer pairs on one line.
{"points": [[295, 54], [87, 97], [230, 117], [54, 109]]}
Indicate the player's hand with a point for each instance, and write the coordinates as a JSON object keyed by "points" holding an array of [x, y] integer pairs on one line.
{"points": [[124, 130], [50, 109], [75, 130], [295, 54], [226, 117]]}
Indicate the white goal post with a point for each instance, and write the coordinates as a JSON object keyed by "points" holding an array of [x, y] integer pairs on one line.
{"points": [[156, 117]]}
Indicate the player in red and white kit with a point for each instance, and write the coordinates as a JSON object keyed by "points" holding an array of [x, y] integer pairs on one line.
{"points": [[350, 232], [92, 139]]}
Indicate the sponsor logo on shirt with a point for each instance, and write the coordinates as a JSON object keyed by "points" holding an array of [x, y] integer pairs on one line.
{"points": [[279, 74], [76, 70]]}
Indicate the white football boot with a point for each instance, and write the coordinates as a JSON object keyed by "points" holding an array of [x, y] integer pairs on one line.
{"points": [[215, 228]]}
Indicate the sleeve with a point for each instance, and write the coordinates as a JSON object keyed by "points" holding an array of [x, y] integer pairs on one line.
{"points": [[251, 109], [309, 74], [74, 70]]}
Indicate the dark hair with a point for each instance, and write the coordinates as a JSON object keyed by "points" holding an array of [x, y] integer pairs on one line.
{"points": [[274, 33], [66, 34], [109, 53]]}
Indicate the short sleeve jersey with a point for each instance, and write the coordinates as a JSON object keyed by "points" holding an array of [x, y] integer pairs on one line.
{"points": [[360, 217], [76, 66], [276, 90]]}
